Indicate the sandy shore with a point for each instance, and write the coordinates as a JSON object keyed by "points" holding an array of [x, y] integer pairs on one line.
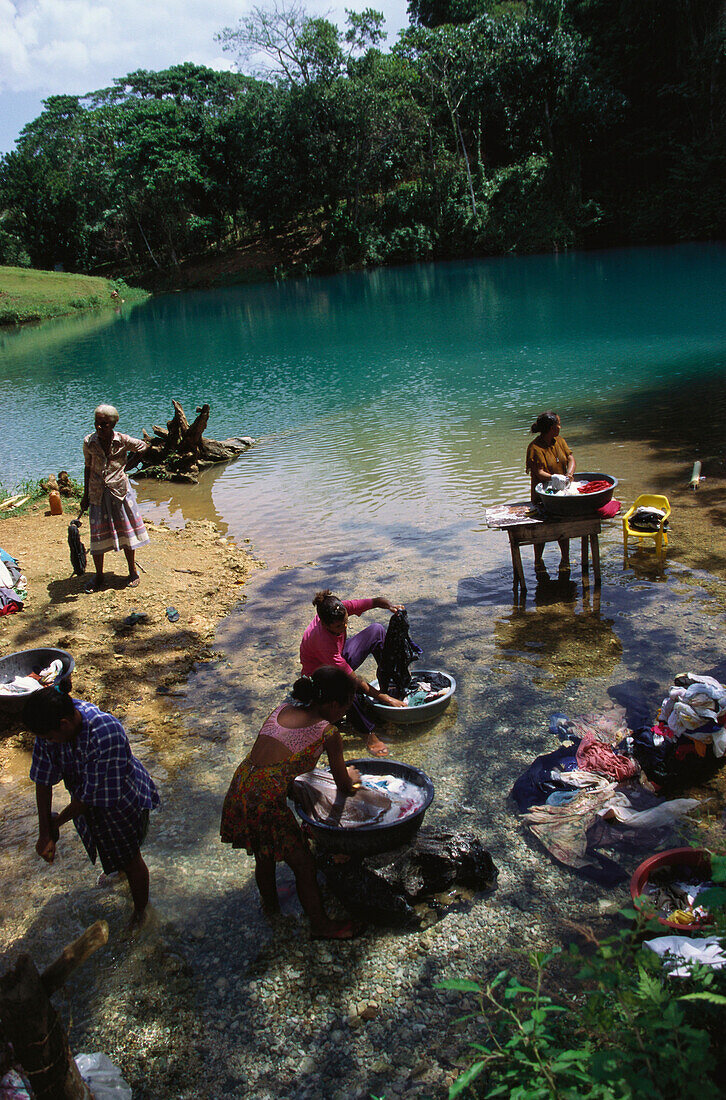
{"points": [[127, 669]]}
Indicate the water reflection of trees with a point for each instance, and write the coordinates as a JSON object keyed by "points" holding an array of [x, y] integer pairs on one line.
{"points": [[563, 635]]}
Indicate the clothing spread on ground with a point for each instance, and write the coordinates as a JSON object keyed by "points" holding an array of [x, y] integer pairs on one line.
{"points": [[381, 799], [587, 795], [685, 952], [398, 653], [23, 685], [13, 585]]}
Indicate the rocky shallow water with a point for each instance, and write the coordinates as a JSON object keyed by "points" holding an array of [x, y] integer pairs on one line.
{"points": [[211, 1000]]}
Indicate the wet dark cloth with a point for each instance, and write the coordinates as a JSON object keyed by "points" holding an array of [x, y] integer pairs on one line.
{"points": [[537, 783], [76, 547], [398, 653]]}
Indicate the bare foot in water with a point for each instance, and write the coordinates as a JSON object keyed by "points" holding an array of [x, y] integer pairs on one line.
{"points": [[139, 920], [336, 930], [375, 746]]}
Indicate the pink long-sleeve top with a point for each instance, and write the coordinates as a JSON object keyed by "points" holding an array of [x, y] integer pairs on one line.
{"points": [[319, 647]]}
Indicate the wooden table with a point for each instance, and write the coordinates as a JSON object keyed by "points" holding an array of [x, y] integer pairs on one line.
{"points": [[527, 526]]}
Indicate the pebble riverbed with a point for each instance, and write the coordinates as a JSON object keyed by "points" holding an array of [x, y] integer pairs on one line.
{"points": [[210, 1001]]}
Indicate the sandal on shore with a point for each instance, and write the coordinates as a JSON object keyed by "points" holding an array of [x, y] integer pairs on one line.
{"points": [[347, 931]]}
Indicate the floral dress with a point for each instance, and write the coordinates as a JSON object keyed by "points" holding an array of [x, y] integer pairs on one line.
{"points": [[255, 814]]}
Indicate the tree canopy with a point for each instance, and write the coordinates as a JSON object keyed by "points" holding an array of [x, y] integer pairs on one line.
{"points": [[488, 127]]}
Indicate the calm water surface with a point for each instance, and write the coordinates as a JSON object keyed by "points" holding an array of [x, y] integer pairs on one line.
{"points": [[389, 402]]}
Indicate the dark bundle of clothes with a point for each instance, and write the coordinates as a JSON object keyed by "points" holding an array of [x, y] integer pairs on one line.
{"points": [[76, 547], [647, 519], [399, 652]]}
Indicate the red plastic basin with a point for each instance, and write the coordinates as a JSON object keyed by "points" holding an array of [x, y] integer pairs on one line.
{"points": [[697, 859]]}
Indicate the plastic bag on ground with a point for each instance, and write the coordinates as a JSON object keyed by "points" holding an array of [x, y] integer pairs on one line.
{"points": [[103, 1077]]}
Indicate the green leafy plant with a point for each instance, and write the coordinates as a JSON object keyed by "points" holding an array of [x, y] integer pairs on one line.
{"points": [[628, 1030]]}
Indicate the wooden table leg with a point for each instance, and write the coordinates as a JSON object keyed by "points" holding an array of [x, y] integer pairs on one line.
{"points": [[595, 545], [585, 560], [517, 568]]}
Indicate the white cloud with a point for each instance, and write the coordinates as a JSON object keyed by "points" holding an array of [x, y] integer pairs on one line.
{"points": [[54, 47], [75, 46]]}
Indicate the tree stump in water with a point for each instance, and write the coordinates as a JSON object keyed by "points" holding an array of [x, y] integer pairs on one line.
{"points": [[33, 1026], [180, 451], [382, 888]]}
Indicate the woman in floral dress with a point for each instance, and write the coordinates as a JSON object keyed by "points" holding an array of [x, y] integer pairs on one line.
{"points": [[256, 816]]}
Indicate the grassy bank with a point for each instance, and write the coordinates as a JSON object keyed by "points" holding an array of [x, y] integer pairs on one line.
{"points": [[30, 295], [24, 497]]}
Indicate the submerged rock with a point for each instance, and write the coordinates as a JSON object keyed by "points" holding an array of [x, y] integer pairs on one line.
{"points": [[383, 888]]}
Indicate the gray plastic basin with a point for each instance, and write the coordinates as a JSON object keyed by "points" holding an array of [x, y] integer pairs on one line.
{"points": [[410, 716]]}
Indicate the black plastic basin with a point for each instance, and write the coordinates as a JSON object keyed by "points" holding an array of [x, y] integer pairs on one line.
{"points": [[368, 840]]}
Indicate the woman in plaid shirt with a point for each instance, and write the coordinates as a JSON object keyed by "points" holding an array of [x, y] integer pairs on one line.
{"points": [[111, 792]]}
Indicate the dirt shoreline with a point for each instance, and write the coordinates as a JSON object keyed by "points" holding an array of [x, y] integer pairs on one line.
{"points": [[130, 670]]}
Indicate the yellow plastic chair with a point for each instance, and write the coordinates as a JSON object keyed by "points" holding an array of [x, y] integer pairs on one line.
{"points": [[660, 537]]}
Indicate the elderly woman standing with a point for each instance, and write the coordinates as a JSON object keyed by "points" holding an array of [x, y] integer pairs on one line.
{"points": [[111, 502]]}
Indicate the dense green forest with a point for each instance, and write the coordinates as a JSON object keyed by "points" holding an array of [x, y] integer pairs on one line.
{"points": [[487, 127]]}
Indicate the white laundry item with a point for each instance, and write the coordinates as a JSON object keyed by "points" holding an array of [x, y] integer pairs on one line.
{"points": [[21, 685], [719, 743], [706, 697], [667, 705], [6, 581], [580, 779], [664, 814], [49, 674], [685, 951], [558, 482]]}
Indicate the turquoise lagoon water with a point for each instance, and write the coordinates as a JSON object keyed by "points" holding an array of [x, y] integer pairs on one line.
{"points": [[386, 398]]}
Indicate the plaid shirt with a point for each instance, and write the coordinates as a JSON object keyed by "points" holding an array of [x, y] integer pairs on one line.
{"points": [[107, 472], [99, 769]]}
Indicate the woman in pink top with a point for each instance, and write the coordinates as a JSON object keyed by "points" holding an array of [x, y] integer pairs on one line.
{"points": [[326, 642], [256, 816]]}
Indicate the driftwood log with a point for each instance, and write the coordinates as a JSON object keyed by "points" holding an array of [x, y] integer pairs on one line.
{"points": [[40, 1044], [180, 451]]}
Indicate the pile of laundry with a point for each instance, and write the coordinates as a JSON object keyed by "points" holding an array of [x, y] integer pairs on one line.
{"points": [[23, 685], [380, 799], [560, 485], [13, 585], [587, 795], [689, 736], [647, 518], [426, 688]]}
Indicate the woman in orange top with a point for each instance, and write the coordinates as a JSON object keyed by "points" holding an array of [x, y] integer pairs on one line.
{"points": [[549, 454]]}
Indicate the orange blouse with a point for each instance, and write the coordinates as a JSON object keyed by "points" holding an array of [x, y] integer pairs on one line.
{"points": [[553, 459]]}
